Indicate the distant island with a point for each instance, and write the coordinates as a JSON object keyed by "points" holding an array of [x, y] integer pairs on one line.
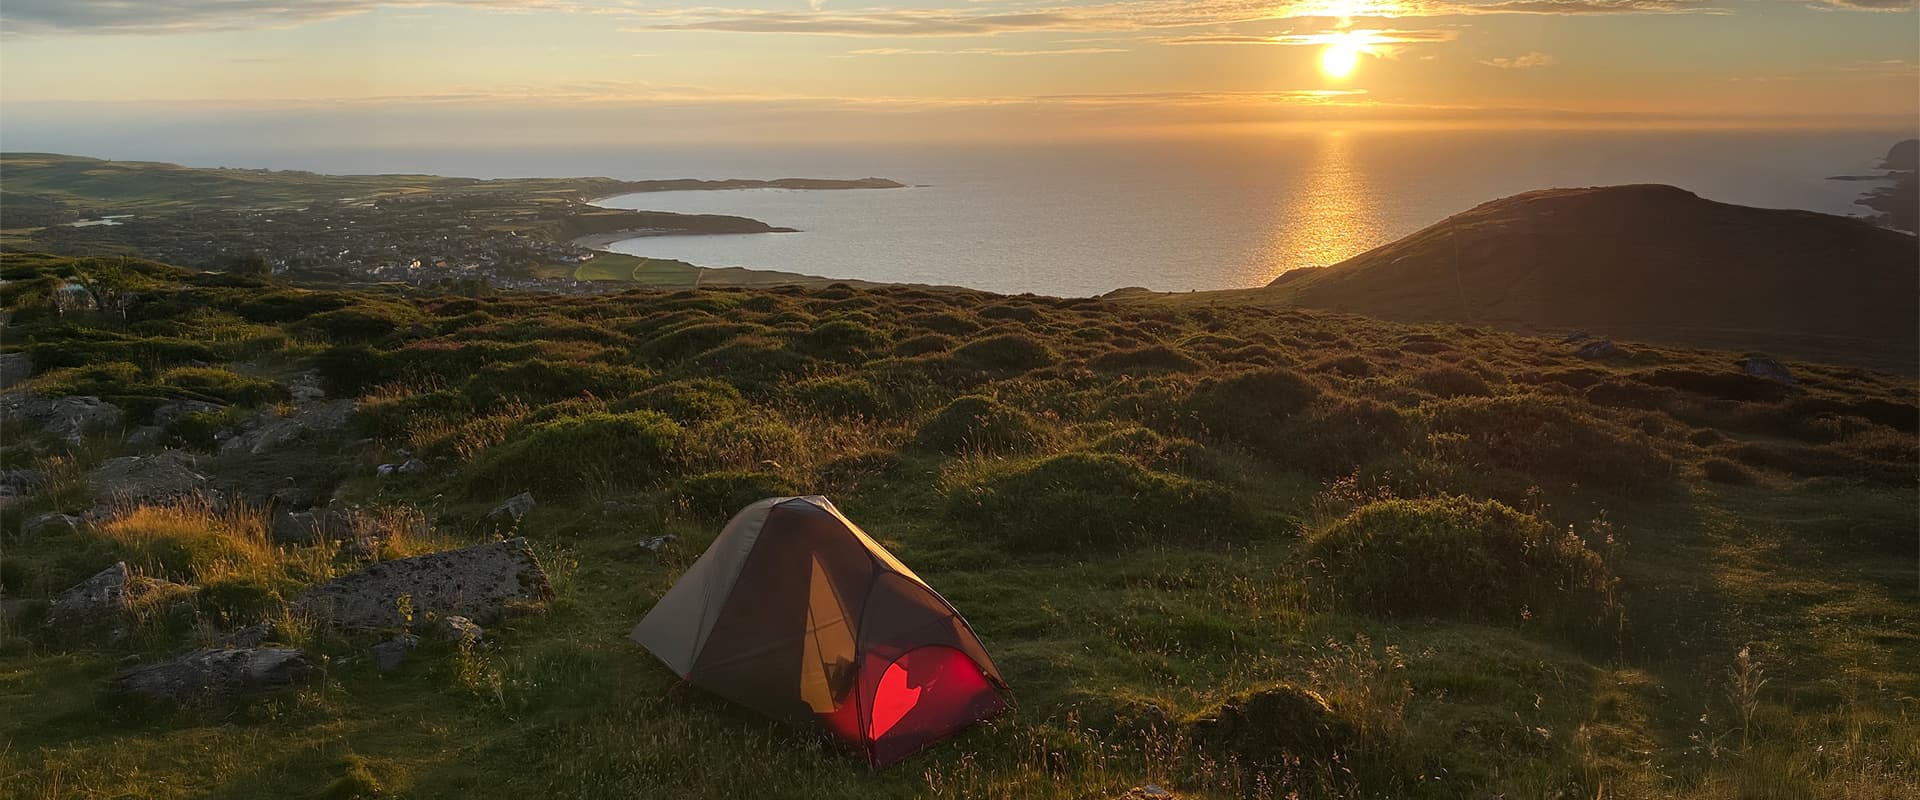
{"points": [[516, 233]]}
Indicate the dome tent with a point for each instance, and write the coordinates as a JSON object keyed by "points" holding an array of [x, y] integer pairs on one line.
{"points": [[797, 613]]}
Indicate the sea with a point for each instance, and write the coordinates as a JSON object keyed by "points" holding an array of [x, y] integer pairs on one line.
{"points": [[1169, 215]]}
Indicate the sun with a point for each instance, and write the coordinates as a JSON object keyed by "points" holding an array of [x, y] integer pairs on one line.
{"points": [[1339, 59], [1341, 56]]}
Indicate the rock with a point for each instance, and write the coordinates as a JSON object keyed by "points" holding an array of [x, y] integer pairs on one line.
{"points": [[268, 430], [512, 510], [458, 629], [411, 466], [173, 411], [336, 523], [385, 470], [102, 606], [254, 635], [306, 388], [390, 654], [14, 368], [1576, 336], [165, 476], [52, 523], [16, 485], [1151, 791], [215, 674], [145, 436], [1764, 367], [479, 582], [655, 543], [1598, 348], [67, 418]]}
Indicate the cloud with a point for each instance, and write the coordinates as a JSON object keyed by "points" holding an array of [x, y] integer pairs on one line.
{"points": [[983, 51], [1525, 61], [36, 17], [1370, 37], [1875, 5]]}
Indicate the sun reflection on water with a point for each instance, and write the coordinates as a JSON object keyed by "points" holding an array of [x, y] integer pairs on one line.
{"points": [[1334, 213]]}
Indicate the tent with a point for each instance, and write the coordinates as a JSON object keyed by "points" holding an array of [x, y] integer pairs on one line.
{"points": [[797, 613]]}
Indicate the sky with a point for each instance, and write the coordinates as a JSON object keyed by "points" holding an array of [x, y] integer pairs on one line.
{"points": [[495, 72]]}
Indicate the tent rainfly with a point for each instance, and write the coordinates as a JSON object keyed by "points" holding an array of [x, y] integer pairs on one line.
{"points": [[798, 614]]}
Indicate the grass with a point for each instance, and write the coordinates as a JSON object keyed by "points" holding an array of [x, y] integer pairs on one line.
{"points": [[1156, 517]]}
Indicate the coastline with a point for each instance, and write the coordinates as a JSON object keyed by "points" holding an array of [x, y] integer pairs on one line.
{"points": [[599, 242]]}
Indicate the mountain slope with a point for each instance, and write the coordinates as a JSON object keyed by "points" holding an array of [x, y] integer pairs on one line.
{"points": [[1641, 262]]}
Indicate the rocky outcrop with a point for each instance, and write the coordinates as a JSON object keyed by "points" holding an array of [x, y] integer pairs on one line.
{"points": [[166, 476], [1768, 369], [14, 368], [215, 674], [100, 609], [510, 512], [67, 418], [480, 582], [269, 430]]}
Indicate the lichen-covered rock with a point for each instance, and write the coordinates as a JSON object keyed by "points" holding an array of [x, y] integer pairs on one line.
{"points": [[269, 430], [390, 654], [52, 523], [512, 510], [479, 582], [100, 609], [164, 476], [215, 674], [14, 368], [66, 418], [1768, 369]]}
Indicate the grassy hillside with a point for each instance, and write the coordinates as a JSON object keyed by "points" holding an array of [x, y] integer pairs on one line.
{"points": [[1233, 551], [1644, 262]]}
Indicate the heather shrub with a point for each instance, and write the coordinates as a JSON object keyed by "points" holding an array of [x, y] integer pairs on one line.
{"points": [[1537, 435], [690, 399], [542, 380], [1155, 358], [1458, 557], [361, 322], [923, 344], [568, 455], [844, 395], [1091, 502], [981, 424], [1451, 382], [1006, 353], [1248, 405]]}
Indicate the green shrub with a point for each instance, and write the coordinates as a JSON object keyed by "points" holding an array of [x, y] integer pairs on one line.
{"points": [[237, 599], [923, 344], [755, 362], [389, 415], [841, 338], [1006, 353], [1337, 435], [724, 493], [1249, 405], [1094, 502], [844, 395], [689, 400], [291, 305], [941, 322], [981, 424], [1540, 436], [687, 341], [90, 347], [1154, 358], [362, 322], [1451, 382], [1010, 312], [351, 369], [566, 456], [1459, 557], [224, 384], [542, 381], [115, 378], [1278, 728]]}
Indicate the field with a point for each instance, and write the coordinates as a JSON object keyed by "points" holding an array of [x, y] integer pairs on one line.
{"points": [[1230, 550]]}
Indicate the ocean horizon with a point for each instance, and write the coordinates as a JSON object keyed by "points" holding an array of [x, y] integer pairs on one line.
{"points": [[1168, 215]]}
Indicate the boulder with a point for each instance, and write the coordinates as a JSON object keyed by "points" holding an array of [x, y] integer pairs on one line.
{"points": [[332, 523], [215, 674], [51, 523], [254, 635], [102, 607], [411, 466], [145, 436], [1598, 348], [165, 476], [14, 368], [390, 654], [459, 629], [1769, 369], [480, 582], [512, 510], [654, 544], [269, 430], [66, 418], [173, 411]]}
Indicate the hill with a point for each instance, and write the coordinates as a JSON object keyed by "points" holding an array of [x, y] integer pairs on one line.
{"points": [[1638, 262], [1232, 551]]}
